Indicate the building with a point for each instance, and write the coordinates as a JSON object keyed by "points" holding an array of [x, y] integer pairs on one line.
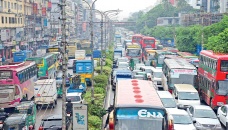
{"points": [[12, 21], [212, 6], [223, 6], [165, 21]]}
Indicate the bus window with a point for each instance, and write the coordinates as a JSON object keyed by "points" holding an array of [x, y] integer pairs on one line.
{"points": [[224, 65]]}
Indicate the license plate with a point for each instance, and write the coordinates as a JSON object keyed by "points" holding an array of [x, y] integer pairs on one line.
{"points": [[68, 114]]}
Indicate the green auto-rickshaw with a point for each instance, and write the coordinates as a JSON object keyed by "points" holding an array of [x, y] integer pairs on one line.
{"points": [[59, 86], [24, 117]]}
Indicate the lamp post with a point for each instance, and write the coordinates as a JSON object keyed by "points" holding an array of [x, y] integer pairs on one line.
{"points": [[91, 34]]}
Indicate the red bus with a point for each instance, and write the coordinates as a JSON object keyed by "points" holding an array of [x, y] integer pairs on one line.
{"points": [[148, 42], [17, 80], [137, 38], [213, 78]]}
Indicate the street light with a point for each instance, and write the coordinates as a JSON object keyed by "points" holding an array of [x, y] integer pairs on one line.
{"points": [[91, 26]]}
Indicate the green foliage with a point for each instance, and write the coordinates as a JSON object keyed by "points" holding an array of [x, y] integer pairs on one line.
{"points": [[99, 90], [218, 43], [106, 69], [108, 63], [102, 79], [96, 111], [188, 37], [95, 122], [160, 32]]}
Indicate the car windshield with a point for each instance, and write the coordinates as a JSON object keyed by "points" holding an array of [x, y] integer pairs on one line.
{"points": [[73, 98], [202, 113], [222, 88], [157, 74], [133, 52], [169, 102], [181, 119], [52, 123], [188, 96], [224, 65], [122, 60]]}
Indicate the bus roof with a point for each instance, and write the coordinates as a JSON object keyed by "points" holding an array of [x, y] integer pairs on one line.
{"points": [[41, 56], [44, 81], [178, 64], [146, 37], [137, 93], [17, 66], [213, 55]]}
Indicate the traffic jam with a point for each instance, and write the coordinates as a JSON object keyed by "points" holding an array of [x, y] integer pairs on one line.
{"points": [[157, 87]]}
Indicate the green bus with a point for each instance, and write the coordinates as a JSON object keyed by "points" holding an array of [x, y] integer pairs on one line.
{"points": [[160, 56], [46, 64]]}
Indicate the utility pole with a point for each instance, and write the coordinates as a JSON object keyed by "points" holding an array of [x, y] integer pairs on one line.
{"points": [[64, 67], [102, 43], [34, 24], [91, 34]]}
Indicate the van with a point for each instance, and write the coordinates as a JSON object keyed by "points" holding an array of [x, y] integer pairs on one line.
{"points": [[156, 77], [167, 99], [45, 93], [185, 95], [75, 97]]}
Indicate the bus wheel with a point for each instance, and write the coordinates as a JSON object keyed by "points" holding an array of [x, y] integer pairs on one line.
{"points": [[56, 102]]}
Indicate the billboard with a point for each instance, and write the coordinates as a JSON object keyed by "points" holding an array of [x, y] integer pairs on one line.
{"points": [[80, 116], [44, 11], [35, 8]]}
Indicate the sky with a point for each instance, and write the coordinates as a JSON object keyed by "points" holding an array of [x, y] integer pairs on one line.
{"points": [[127, 6]]}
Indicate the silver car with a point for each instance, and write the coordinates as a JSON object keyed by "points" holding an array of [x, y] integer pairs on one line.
{"points": [[204, 117]]}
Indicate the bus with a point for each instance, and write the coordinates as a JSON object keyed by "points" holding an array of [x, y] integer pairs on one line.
{"points": [[148, 55], [148, 42], [46, 65], [137, 38], [213, 75], [17, 80], [21, 55], [178, 71], [71, 48], [118, 38], [41, 50], [137, 106], [58, 60], [160, 56], [133, 51]]}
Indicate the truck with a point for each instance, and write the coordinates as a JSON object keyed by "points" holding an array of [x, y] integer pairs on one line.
{"points": [[121, 75], [80, 54], [85, 69], [76, 85], [117, 54], [72, 47], [45, 93]]}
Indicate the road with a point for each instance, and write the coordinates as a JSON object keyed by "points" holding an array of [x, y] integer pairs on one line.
{"points": [[50, 111]]}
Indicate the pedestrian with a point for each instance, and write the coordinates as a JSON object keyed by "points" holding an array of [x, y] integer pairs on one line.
{"points": [[0, 59]]}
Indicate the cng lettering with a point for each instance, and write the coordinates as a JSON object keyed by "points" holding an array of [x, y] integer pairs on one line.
{"points": [[144, 113]]}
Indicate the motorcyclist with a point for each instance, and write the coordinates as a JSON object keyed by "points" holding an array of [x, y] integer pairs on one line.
{"points": [[69, 106], [109, 111], [24, 98]]}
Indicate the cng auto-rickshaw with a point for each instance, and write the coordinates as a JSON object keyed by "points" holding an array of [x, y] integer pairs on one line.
{"points": [[24, 117], [59, 86]]}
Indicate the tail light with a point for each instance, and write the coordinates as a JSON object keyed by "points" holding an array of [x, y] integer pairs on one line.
{"points": [[46, 72], [111, 126], [1, 122], [171, 91], [30, 127], [41, 128], [171, 126]]}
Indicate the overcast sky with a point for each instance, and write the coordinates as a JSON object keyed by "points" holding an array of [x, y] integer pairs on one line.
{"points": [[127, 6]]}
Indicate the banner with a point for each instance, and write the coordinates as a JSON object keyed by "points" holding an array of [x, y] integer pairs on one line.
{"points": [[80, 116], [45, 22], [44, 11], [35, 8], [84, 26]]}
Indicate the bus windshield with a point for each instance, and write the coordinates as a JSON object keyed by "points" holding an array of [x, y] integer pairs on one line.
{"points": [[133, 52], [222, 88], [139, 119], [37, 60], [4, 74], [224, 65], [183, 79]]}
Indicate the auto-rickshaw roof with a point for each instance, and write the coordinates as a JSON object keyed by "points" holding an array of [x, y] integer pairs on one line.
{"points": [[25, 105], [15, 119]]}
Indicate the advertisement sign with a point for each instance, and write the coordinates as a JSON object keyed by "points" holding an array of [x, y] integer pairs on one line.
{"points": [[175, 73], [44, 11], [35, 8], [80, 116], [45, 22], [49, 6], [53, 50], [5, 34]]}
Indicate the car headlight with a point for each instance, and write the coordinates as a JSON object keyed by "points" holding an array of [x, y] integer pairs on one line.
{"points": [[198, 125]]}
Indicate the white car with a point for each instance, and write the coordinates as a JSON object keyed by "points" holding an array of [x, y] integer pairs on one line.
{"points": [[222, 115], [75, 97], [181, 120], [204, 117]]}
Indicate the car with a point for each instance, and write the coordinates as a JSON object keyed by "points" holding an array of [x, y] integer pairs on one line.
{"points": [[122, 59], [181, 120], [51, 122], [123, 65], [167, 99], [222, 115], [204, 117], [75, 97]]}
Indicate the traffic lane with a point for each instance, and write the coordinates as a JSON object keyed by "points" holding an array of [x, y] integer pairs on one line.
{"points": [[42, 113]]}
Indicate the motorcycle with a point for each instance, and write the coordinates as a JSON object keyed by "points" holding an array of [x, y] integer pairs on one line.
{"points": [[3, 116]]}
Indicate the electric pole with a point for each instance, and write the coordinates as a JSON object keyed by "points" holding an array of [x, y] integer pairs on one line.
{"points": [[102, 43], [64, 65]]}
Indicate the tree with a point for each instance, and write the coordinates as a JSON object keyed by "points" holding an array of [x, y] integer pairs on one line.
{"points": [[218, 43]]}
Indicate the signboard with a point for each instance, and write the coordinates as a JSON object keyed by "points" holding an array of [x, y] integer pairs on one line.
{"points": [[53, 50], [80, 116], [133, 46], [43, 11], [5, 34]]}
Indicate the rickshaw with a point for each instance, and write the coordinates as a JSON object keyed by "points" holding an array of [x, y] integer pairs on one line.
{"points": [[59, 86], [23, 118]]}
